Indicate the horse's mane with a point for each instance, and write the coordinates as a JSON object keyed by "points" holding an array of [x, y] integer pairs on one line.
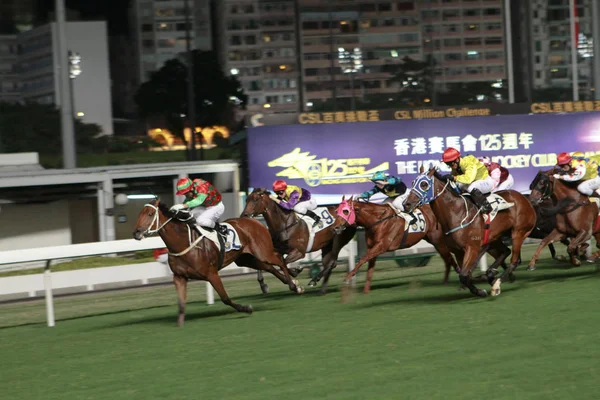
{"points": [[166, 210], [439, 176]]}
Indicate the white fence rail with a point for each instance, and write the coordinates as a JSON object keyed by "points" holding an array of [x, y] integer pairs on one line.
{"points": [[90, 278]]}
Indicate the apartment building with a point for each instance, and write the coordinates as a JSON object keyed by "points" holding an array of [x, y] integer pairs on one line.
{"points": [[550, 46], [38, 73], [159, 29], [9, 79], [291, 55]]}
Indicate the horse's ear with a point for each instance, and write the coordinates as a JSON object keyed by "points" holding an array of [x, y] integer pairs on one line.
{"points": [[431, 171], [343, 198], [422, 169]]}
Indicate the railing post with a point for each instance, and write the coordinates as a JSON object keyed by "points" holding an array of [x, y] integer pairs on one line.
{"points": [[49, 299]]}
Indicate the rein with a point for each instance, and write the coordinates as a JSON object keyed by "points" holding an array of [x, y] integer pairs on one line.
{"points": [[156, 222]]}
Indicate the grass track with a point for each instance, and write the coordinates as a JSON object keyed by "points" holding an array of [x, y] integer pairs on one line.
{"points": [[411, 338]]}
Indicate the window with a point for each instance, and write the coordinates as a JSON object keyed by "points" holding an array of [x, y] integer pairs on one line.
{"points": [[147, 43], [363, 7], [452, 57], [405, 6], [494, 55], [166, 43], [451, 28], [471, 27], [146, 27], [288, 98], [164, 12], [448, 14], [310, 25], [537, 60], [538, 74], [493, 40], [235, 40], [558, 73], [473, 42], [451, 42], [272, 99], [384, 7], [538, 45], [492, 11], [164, 27], [472, 12], [473, 55], [495, 69], [493, 26], [250, 40]]}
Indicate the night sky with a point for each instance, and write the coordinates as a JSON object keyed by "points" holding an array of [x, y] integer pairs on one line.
{"points": [[113, 11]]}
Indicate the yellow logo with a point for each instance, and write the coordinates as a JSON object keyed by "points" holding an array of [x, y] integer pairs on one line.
{"points": [[302, 165]]}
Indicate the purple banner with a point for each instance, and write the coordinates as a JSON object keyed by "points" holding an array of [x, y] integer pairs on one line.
{"points": [[335, 159]]}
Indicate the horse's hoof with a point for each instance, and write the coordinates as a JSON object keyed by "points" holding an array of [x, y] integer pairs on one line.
{"points": [[577, 263], [531, 268], [495, 292], [312, 283], [249, 309], [482, 293], [299, 289], [512, 277], [265, 289]]}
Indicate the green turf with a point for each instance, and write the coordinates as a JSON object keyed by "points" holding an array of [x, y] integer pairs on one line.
{"points": [[411, 338]]}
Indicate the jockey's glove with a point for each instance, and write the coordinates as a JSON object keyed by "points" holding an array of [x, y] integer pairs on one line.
{"points": [[177, 207], [449, 177]]}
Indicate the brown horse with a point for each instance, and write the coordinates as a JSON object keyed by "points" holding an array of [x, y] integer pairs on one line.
{"points": [[465, 228], [385, 231], [194, 257], [291, 235], [576, 215]]}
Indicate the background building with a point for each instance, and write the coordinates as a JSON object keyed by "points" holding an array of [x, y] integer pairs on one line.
{"points": [[159, 30], [38, 74], [9, 79]]}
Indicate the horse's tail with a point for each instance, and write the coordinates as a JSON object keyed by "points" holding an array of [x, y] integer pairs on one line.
{"points": [[562, 203]]}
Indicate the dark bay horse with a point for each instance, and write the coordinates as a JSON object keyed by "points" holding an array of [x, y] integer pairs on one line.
{"points": [[465, 228], [192, 257], [385, 232], [545, 223], [291, 235], [576, 216]]}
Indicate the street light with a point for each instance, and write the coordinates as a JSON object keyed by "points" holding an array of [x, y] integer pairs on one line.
{"points": [[351, 63], [74, 71]]}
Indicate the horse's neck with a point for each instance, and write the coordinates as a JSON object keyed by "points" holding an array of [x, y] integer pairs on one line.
{"points": [[367, 215], [175, 233], [276, 218], [442, 206], [561, 191]]}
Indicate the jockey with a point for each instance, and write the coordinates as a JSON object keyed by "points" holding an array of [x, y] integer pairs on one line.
{"points": [[499, 174], [203, 201], [391, 186], [291, 197], [471, 175], [583, 170]]}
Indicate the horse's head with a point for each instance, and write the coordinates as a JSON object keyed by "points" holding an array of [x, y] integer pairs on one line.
{"points": [[148, 218], [422, 191], [541, 187], [256, 203], [346, 215]]}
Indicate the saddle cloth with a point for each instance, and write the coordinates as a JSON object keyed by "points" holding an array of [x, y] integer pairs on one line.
{"points": [[232, 241]]}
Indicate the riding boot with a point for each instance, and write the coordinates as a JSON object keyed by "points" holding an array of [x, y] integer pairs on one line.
{"points": [[480, 200], [313, 216], [222, 229]]}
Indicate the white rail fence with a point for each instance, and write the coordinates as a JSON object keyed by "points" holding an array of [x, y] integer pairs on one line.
{"points": [[91, 279]]}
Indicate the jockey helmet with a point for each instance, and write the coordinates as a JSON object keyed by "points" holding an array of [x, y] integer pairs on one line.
{"points": [[485, 160], [450, 154], [379, 176], [563, 159], [578, 155], [184, 185], [279, 185]]}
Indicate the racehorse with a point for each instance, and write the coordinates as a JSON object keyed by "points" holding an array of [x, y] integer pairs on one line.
{"points": [[466, 233], [576, 215], [291, 235], [545, 224], [388, 231], [192, 256]]}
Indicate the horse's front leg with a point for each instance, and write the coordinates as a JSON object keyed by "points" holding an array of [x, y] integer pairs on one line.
{"points": [[469, 261], [573, 248], [370, 271], [551, 237], [372, 252], [181, 287], [294, 256], [261, 281]]}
